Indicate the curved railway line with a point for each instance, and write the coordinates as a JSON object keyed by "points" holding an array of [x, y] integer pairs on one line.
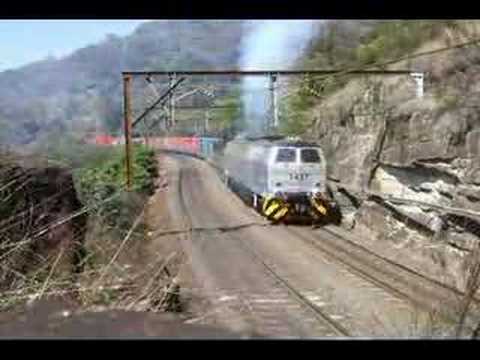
{"points": [[285, 292]]}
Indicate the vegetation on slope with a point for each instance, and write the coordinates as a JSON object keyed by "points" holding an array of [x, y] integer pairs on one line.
{"points": [[98, 182], [349, 45]]}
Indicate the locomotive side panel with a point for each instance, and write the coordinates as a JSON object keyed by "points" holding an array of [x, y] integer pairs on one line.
{"points": [[257, 177], [246, 163]]}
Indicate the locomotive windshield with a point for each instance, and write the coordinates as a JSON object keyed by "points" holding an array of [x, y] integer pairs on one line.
{"points": [[310, 156], [286, 155]]}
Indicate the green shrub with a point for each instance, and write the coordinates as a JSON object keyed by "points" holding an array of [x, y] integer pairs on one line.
{"points": [[394, 39], [101, 181]]}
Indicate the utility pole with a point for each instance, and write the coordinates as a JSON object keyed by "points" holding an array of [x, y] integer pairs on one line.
{"points": [[171, 99], [273, 94], [127, 108], [207, 120]]}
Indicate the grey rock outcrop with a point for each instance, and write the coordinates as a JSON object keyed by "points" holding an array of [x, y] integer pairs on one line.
{"points": [[379, 137]]}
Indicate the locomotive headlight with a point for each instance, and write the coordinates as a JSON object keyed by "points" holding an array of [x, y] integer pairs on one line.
{"points": [[317, 191]]}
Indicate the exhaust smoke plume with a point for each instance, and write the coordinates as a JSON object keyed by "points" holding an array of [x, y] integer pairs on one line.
{"points": [[271, 44]]}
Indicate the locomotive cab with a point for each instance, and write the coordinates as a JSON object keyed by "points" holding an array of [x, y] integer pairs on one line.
{"points": [[286, 179], [297, 175]]}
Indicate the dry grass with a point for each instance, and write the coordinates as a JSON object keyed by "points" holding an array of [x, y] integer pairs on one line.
{"points": [[123, 274], [109, 280], [116, 271]]}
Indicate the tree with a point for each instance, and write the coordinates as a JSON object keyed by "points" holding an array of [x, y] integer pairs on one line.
{"points": [[230, 116]]}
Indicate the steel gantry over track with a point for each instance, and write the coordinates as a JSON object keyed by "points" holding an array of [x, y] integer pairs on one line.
{"points": [[177, 77]]}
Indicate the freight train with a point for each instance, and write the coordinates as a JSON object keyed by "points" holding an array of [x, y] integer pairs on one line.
{"points": [[282, 179], [204, 146]]}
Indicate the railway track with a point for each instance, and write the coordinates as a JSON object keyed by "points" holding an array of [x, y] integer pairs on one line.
{"points": [[297, 294], [265, 309], [398, 280]]}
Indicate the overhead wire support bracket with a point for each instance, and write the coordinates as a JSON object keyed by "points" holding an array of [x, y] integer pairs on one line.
{"points": [[162, 97], [268, 72]]}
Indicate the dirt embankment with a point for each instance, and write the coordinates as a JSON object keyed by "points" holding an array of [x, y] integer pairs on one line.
{"points": [[129, 284], [42, 222]]}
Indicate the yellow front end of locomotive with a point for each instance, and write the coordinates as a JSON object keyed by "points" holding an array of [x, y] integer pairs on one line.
{"points": [[275, 209]]}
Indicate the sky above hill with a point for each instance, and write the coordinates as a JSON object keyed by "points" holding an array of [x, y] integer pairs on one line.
{"points": [[25, 41]]}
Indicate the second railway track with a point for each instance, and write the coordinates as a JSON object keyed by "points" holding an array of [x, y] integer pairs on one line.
{"points": [[400, 281]]}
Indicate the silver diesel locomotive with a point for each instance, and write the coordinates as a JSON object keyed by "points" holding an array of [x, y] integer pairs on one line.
{"points": [[280, 178]]}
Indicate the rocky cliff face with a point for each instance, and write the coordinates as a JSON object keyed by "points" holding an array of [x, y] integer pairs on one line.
{"points": [[380, 137]]}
